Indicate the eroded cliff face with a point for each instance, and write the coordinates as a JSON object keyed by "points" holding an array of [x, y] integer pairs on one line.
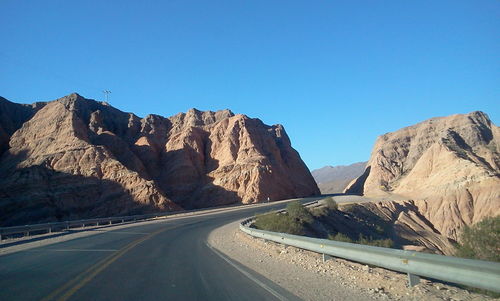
{"points": [[409, 228], [449, 166], [225, 157], [74, 157], [12, 117]]}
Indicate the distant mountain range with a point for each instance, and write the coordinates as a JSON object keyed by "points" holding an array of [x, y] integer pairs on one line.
{"points": [[334, 179]]}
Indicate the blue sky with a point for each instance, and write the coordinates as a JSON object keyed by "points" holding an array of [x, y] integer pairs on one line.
{"points": [[336, 74]]}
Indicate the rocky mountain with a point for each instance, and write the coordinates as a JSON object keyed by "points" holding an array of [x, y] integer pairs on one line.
{"points": [[449, 166], [334, 179], [77, 158], [399, 222], [405, 224], [12, 116]]}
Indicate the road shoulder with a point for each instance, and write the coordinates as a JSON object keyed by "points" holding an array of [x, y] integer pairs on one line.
{"points": [[304, 274]]}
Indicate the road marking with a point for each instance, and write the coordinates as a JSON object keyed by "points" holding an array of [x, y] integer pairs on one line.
{"points": [[72, 286], [257, 281], [75, 250], [123, 232]]}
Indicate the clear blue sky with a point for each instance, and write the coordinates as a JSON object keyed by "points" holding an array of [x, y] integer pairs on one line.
{"points": [[336, 74]]}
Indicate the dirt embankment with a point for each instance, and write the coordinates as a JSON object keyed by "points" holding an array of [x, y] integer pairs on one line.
{"points": [[399, 221], [390, 224]]}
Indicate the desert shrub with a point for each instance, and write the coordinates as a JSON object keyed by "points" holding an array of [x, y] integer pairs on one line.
{"points": [[363, 240], [330, 203], [348, 207], [384, 243], [292, 222], [369, 241], [481, 241], [320, 211], [279, 223], [340, 237], [299, 212], [379, 229]]}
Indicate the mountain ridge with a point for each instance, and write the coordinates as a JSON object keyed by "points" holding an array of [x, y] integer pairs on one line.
{"points": [[334, 179], [190, 160], [449, 166]]}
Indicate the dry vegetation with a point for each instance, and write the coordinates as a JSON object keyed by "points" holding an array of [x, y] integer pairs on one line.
{"points": [[481, 241], [299, 220]]}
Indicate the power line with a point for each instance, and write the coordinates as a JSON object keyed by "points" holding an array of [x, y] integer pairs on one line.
{"points": [[106, 94]]}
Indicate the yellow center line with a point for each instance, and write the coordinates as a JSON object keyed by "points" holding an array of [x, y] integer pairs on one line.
{"points": [[72, 286]]}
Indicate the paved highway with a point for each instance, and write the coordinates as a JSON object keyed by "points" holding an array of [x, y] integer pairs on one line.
{"points": [[167, 260]]}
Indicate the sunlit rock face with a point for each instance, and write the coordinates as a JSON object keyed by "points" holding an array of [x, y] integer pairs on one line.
{"points": [[75, 157], [449, 166]]}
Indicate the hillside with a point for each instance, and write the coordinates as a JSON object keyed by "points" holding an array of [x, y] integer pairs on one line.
{"points": [[334, 179], [449, 166], [76, 158]]}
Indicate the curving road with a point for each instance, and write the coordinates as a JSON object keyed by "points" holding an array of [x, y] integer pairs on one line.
{"points": [[166, 260]]}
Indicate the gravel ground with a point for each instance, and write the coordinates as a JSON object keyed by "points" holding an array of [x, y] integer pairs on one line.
{"points": [[304, 274]]}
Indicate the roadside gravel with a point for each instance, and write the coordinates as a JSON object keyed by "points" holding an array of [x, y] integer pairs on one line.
{"points": [[304, 274]]}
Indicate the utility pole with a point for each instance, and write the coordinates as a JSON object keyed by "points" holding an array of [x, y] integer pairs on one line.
{"points": [[106, 94]]}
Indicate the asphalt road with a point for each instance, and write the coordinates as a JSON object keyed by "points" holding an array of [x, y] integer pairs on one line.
{"points": [[167, 260]]}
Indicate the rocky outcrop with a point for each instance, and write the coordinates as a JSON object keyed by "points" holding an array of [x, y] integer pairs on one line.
{"points": [[74, 157], [450, 166], [220, 157], [12, 117], [409, 228]]}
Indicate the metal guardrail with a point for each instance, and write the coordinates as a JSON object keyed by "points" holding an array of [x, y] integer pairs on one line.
{"points": [[475, 273], [27, 230], [66, 225]]}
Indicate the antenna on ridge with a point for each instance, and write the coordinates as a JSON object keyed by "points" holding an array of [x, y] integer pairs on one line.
{"points": [[106, 94]]}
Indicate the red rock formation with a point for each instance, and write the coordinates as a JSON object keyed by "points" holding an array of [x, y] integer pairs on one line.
{"points": [[75, 157], [450, 166], [12, 117], [409, 225]]}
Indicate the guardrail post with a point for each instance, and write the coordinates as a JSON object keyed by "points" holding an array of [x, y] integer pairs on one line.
{"points": [[413, 280], [123, 220], [50, 229], [326, 257]]}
